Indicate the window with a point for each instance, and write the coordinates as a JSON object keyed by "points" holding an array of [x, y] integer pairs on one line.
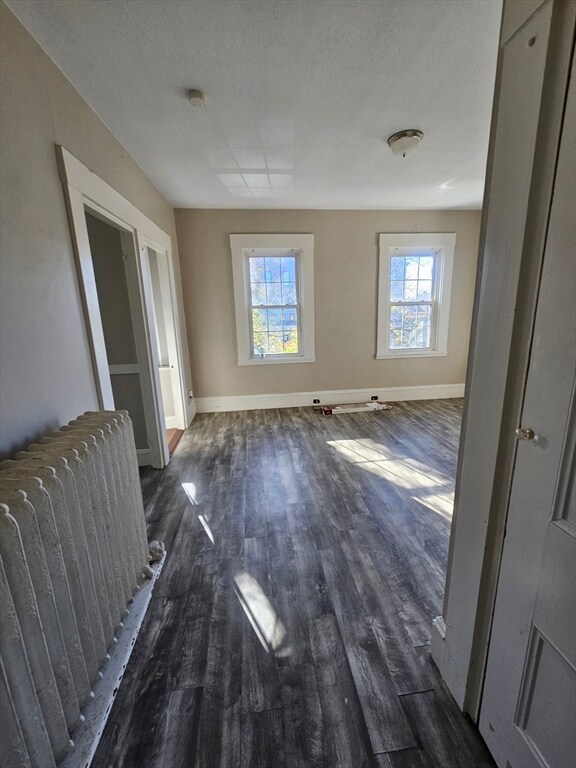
{"points": [[414, 294], [274, 298]]}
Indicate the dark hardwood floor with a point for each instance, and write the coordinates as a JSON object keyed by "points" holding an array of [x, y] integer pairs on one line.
{"points": [[290, 625]]}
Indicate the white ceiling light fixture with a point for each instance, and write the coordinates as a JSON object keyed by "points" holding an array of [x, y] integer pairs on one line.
{"points": [[403, 142], [196, 98]]}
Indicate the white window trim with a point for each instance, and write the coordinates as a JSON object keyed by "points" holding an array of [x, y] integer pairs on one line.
{"points": [[445, 243], [239, 245]]}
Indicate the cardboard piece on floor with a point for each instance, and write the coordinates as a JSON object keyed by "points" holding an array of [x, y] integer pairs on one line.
{"points": [[334, 410]]}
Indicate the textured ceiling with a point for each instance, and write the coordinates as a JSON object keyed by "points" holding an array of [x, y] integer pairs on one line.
{"points": [[301, 95]]}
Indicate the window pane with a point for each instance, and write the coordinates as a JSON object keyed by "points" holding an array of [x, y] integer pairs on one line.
{"points": [[259, 320], [260, 343], [256, 270], [274, 293], [396, 290], [410, 290], [424, 290], [275, 343], [258, 293], [426, 266], [272, 269], [289, 293], [410, 326], [396, 317], [397, 265], [288, 269], [396, 338], [274, 319], [273, 280], [290, 342], [290, 319], [424, 317], [412, 267]]}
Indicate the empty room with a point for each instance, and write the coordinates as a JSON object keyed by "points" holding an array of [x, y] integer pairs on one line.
{"points": [[287, 376]]}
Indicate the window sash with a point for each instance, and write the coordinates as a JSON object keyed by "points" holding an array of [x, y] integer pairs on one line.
{"points": [[432, 303], [441, 247], [250, 307], [392, 328]]}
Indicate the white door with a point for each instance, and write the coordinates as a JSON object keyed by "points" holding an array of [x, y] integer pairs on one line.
{"points": [[528, 714], [166, 339]]}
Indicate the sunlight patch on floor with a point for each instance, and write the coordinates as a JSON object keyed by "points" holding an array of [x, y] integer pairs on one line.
{"points": [[426, 485], [190, 490], [207, 528], [442, 505], [264, 620]]}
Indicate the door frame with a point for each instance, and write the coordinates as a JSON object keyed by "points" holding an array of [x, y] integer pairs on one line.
{"points": [[168, 293], [83, 190]]}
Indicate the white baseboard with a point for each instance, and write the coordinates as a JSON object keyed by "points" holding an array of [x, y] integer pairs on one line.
{"points": [[190, 411], [437, 641], [144, 456], [327, 397], [171, 422]]}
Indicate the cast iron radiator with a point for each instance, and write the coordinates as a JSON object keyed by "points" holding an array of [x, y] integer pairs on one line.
{"points": [[73, 551]]}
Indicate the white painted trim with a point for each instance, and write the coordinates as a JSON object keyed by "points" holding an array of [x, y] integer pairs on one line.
{"points": [[144, 456], [128, 368], [239, 244], [327, 397], [412, 353], [191, 410], [142, 301], [89, 732], [87, 282], [98, 192], [169, 296], [277, 360], [437, 640], [445, 242], [172, 422], [83, 188]]}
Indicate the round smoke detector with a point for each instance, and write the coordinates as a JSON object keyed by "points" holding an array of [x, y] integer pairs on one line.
{"points": [[403, 142]]}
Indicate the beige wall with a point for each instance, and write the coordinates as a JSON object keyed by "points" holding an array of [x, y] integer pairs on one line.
{"points": [[346, 269], [45, 368]]}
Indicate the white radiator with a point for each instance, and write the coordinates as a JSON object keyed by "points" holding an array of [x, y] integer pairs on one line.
{"points": [[73, 551]]}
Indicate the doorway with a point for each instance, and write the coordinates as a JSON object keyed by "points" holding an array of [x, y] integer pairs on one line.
{"points": [[166, 339], [133, 311], [113, 258]]}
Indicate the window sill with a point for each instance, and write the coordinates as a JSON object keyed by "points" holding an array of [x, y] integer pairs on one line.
{"points": [[276, 360], [389, 355]]}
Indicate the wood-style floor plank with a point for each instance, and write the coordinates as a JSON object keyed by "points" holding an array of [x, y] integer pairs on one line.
{"points": [[284, 587], [347, 740], [404, 663], [219, 735], [262, 630], [176, 737], [406, 758], [289, 628], [302, 718], [262, 742], [387, 725], [444, 735]]}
